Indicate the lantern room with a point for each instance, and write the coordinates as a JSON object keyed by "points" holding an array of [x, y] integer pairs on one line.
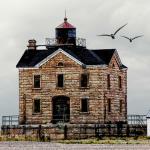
{"points": [[66, 33]]}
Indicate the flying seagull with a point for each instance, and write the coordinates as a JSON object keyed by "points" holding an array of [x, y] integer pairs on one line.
{"points": [[113, 35], [131, 39]]}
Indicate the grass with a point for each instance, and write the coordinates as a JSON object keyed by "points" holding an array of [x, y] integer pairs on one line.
{"points": [[104, 140], [16, 139], [109, 140]]}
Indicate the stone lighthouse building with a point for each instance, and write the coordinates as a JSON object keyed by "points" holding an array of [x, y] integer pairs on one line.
{"points": [[66, 82]]}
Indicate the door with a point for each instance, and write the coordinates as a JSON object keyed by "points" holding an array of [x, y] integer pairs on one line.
{"points": [[61, 109]]}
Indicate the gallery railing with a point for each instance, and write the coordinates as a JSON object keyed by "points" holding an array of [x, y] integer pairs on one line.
{"points": [[54, 42]]}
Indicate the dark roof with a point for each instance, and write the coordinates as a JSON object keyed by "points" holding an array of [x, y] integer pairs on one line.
{"points": [[105, 54], [31, 57], [88, 57], [123, 66]]}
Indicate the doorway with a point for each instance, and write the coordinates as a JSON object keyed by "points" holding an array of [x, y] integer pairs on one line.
{"points": [[61, 109]]}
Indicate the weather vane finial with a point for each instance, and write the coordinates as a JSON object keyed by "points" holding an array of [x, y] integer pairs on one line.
{"points": [[65, 19]]}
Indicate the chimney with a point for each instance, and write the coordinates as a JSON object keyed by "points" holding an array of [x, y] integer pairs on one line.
{"points": [[32, 44]]}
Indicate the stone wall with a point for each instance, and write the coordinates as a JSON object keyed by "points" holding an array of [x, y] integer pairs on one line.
{"points": [[97, 91]]}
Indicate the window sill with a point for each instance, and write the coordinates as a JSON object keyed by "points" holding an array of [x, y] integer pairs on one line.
{"points": [[84, 87], [36, 113], [84, 113], [60, 88], [59, 66], [36, 88]]}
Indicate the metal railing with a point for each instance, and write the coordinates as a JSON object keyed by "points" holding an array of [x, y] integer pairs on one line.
{"points": [[53, 42], [131, 119], [137, 119], [10, 120], [41, 132]]}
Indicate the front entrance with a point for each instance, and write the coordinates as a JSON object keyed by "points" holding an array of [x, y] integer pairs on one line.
{"points": [[61, 109]]}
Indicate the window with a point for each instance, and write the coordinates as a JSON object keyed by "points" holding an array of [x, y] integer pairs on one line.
{"points": [[37, 81], [120, 109], [60, 80], [84, 105], [36, 106], [125, 105], [60, 64], [109, 105], [108, 81], [119, 82], [84, 80]]}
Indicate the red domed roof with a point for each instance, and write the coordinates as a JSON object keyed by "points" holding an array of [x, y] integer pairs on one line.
{"points": [[65, 24]]}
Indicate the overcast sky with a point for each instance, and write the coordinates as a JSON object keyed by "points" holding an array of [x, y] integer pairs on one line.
{"points": [[21, 20]]}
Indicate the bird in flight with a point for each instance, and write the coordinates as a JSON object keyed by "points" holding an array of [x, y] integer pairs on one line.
{"points": [[131, 39], [113, 34]]}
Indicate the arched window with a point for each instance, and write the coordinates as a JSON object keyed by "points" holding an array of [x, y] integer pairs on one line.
{"points": [[60, 64]]}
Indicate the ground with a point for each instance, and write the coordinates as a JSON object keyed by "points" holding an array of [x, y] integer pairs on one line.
{"points": [[58, 146]]}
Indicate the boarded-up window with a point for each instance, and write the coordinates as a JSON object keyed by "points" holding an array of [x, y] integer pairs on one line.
{"points": [[109, 105], [84, 105], [119, 82], [37, 81], [60, 80], [84, 80], [108, 81], [36, 106]]}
